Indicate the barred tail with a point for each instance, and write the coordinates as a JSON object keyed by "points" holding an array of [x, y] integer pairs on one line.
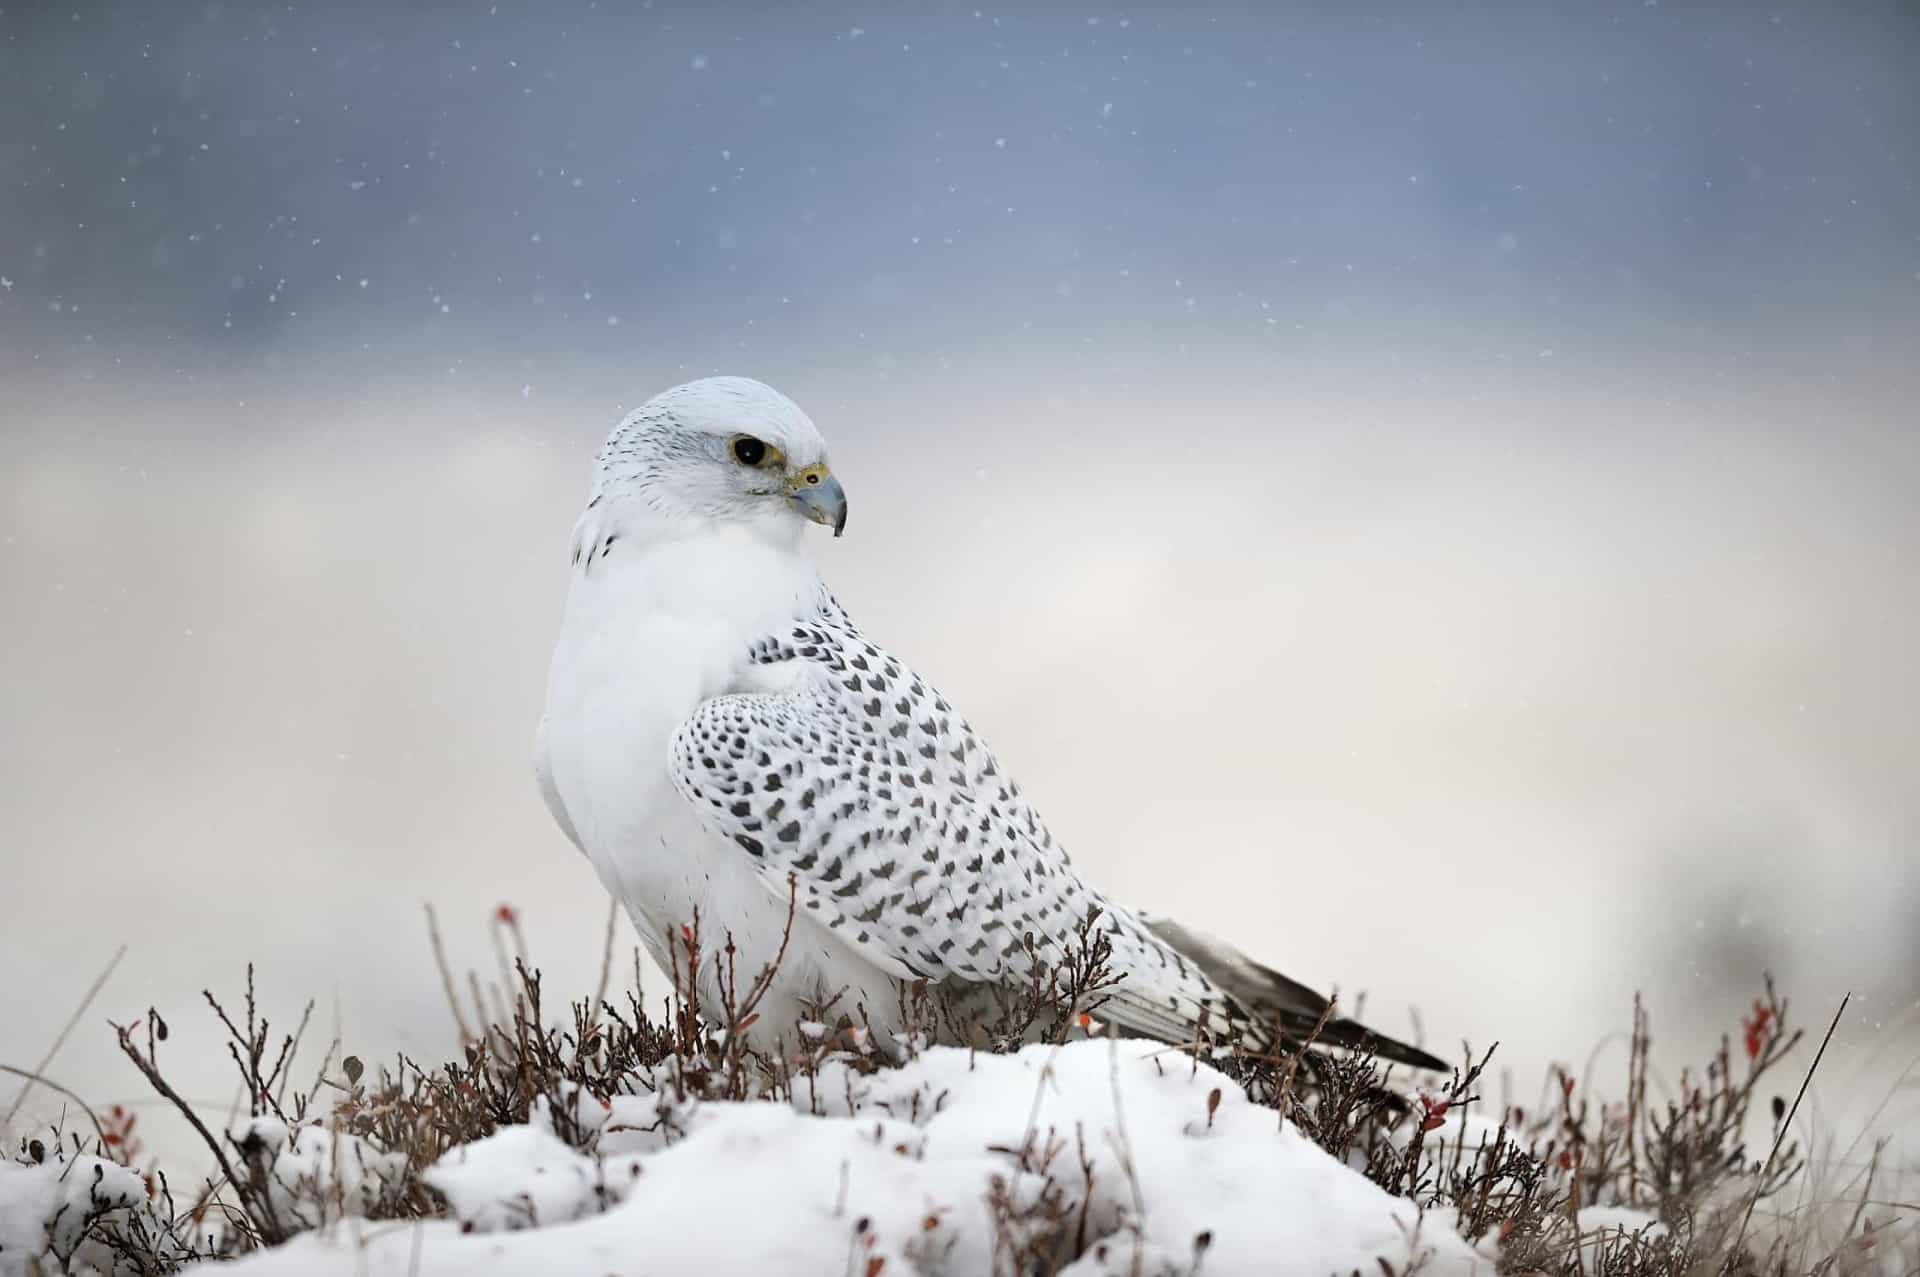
{"points": [[1267, 998]]}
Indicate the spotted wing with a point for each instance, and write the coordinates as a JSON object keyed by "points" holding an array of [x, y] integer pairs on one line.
{"points": [[901, 832]]}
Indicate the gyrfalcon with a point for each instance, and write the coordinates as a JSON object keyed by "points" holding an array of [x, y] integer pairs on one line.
{"points": [[719, 735]]}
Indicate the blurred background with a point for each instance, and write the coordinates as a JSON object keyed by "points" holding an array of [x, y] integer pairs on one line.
{"points": [[1427, 491]]}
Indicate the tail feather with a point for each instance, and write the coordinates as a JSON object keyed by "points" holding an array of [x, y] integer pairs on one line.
{"points": [[1266, 997]]}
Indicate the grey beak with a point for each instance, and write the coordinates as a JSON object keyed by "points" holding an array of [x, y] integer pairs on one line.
{"points": [[824, 502]]}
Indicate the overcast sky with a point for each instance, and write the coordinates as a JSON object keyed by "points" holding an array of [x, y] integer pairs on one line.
{"points": [[1427, 491]]}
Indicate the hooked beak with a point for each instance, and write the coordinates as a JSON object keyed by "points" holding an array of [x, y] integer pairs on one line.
{"points": [[816, 494]]}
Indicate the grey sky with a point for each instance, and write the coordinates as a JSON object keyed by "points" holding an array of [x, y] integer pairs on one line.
{"points": [[1712, 183]]}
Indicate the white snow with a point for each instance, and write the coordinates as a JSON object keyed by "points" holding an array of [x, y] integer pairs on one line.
{"points": [[528, 1177], [942, 1166], [318, 1175], [45, 1210]]}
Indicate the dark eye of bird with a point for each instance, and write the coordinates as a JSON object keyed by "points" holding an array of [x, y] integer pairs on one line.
{"points": [[749, 451]]}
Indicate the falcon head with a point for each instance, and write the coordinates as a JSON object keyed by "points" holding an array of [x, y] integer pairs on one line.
{"points": [[725, 449]]}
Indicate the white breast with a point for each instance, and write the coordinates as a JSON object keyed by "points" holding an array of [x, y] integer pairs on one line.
{"points": [[652, 628]]}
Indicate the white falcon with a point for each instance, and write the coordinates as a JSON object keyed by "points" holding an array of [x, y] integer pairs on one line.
{"points": [[717, 728]]}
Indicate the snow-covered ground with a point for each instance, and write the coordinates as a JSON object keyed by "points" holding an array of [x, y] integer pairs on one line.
{"points": [[45, 1210], [1130, 1154]]}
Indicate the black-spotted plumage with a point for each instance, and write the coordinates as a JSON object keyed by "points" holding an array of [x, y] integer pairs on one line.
{"points": [[904, 836]]}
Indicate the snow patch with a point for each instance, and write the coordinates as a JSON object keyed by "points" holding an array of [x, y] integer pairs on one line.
{"points": [[45, 1209], [317, 1176], [1141, 1158]]}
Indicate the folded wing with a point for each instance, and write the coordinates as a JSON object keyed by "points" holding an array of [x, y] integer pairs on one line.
{"points": [[904, 837]]}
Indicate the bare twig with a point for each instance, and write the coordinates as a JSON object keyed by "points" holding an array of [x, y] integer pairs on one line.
{"points": [[151, 1072], [1780, 1135], [446, 976], [33, 1077], [606, 954], [46, 1061], [1293, 1061]]}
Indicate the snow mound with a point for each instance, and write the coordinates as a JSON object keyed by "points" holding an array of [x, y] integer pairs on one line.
{"points": [[318, 1176], [528, 1177], [45, 1209], [1181, 1163], [1135, 1157]]}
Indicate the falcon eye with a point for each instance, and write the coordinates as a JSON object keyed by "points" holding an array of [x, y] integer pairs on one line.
{"points": [[749, 451]]}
